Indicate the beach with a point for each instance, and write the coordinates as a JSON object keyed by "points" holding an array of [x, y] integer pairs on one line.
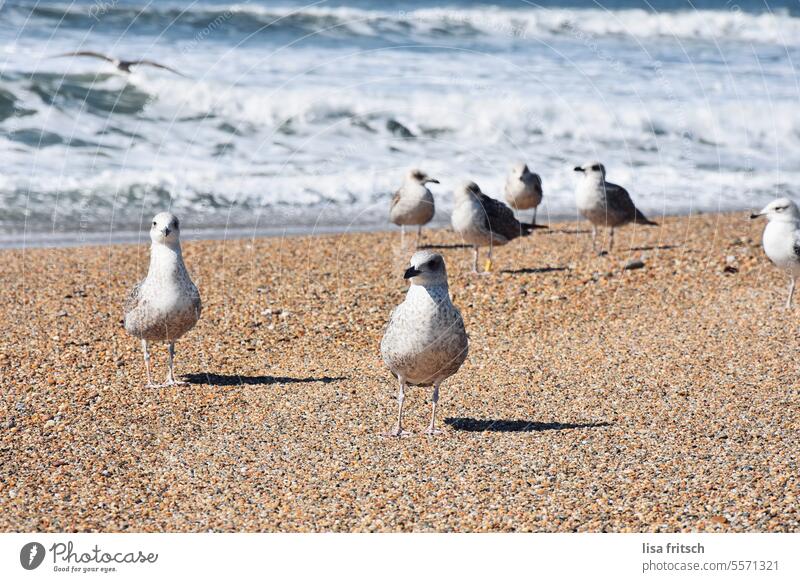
{"points": [[663, 398]]}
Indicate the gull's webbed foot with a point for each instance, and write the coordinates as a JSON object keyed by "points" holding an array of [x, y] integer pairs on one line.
{"points": [[175, 383], [397, 432]]}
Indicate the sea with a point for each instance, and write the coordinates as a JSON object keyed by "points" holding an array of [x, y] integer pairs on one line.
{"points": [[297, 117]]}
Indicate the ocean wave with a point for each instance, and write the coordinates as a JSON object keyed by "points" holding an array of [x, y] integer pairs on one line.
{"points": [[430, 25]]}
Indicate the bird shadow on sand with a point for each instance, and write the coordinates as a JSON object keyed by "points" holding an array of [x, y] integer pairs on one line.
{"points": [[654, 248], [534, 270], [564, 231], [234, 380], [476, 425], [451, 246]]}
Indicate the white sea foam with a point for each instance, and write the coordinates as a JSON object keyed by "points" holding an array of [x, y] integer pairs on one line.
{"points": [[266, 128]]}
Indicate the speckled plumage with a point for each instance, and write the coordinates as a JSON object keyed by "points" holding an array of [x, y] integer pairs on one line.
{"points": [[523, 188], [603, 203], [482, 221], [412, 205], [164, 305], [425, 341]]}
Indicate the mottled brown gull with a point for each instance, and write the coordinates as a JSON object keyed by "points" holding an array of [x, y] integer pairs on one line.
{"points": [[605, 204], [484, 222], [425, 341], [524, 189], [412, 204]]}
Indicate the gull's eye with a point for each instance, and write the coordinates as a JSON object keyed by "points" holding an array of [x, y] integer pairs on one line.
{"points": [[154, 223], [596, 168]]}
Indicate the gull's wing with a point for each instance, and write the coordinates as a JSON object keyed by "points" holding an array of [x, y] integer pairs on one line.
{"points": [[395, 199], [499, 218], [619, 201], [197, 304], [796, 245], [156, 65], [535, 179], [85, 54], [132, 302]]}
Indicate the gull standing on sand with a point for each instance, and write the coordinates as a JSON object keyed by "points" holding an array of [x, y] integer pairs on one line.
{"points": [[166, 304], [524, 189], [484, 222], [425, 341], [413, 204], [604, 203], [781, 238]]}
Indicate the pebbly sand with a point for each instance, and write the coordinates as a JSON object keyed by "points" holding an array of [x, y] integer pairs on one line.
{"points": [[665, 398]]}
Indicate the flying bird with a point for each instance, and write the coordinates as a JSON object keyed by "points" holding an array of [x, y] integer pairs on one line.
{"points": [[604, 203], [121, 65], [781, 239], [425, 341], [484, 222], [166, 304], [412, 204], [524, 189]]}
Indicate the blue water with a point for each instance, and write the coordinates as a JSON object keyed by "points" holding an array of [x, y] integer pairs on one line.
{"points": [[300, 114]]}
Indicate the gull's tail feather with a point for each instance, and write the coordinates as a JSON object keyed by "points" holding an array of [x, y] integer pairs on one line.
{"points": [[642, 219], [528, 228]]}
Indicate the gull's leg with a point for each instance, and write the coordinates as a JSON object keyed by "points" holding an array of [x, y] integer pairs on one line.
{"points": [[535, 210], [419, 234], [402, 237], [611, 239], [488, 268], [791, 292], [398, 431], [171, 381], [147, 362], [475, 259], [434, 401], [594, 238]]}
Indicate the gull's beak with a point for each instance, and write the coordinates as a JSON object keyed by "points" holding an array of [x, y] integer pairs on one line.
{"points": [[433, 180], [411, 272], [755, 215], [579, 169]]}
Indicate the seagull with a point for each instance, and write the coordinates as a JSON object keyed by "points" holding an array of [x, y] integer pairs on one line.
{"points": [[425, 341], [483, 221], [604, 203], [413, 204], [781, 238], [166, 304], [524, 189], [121, 65]]}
